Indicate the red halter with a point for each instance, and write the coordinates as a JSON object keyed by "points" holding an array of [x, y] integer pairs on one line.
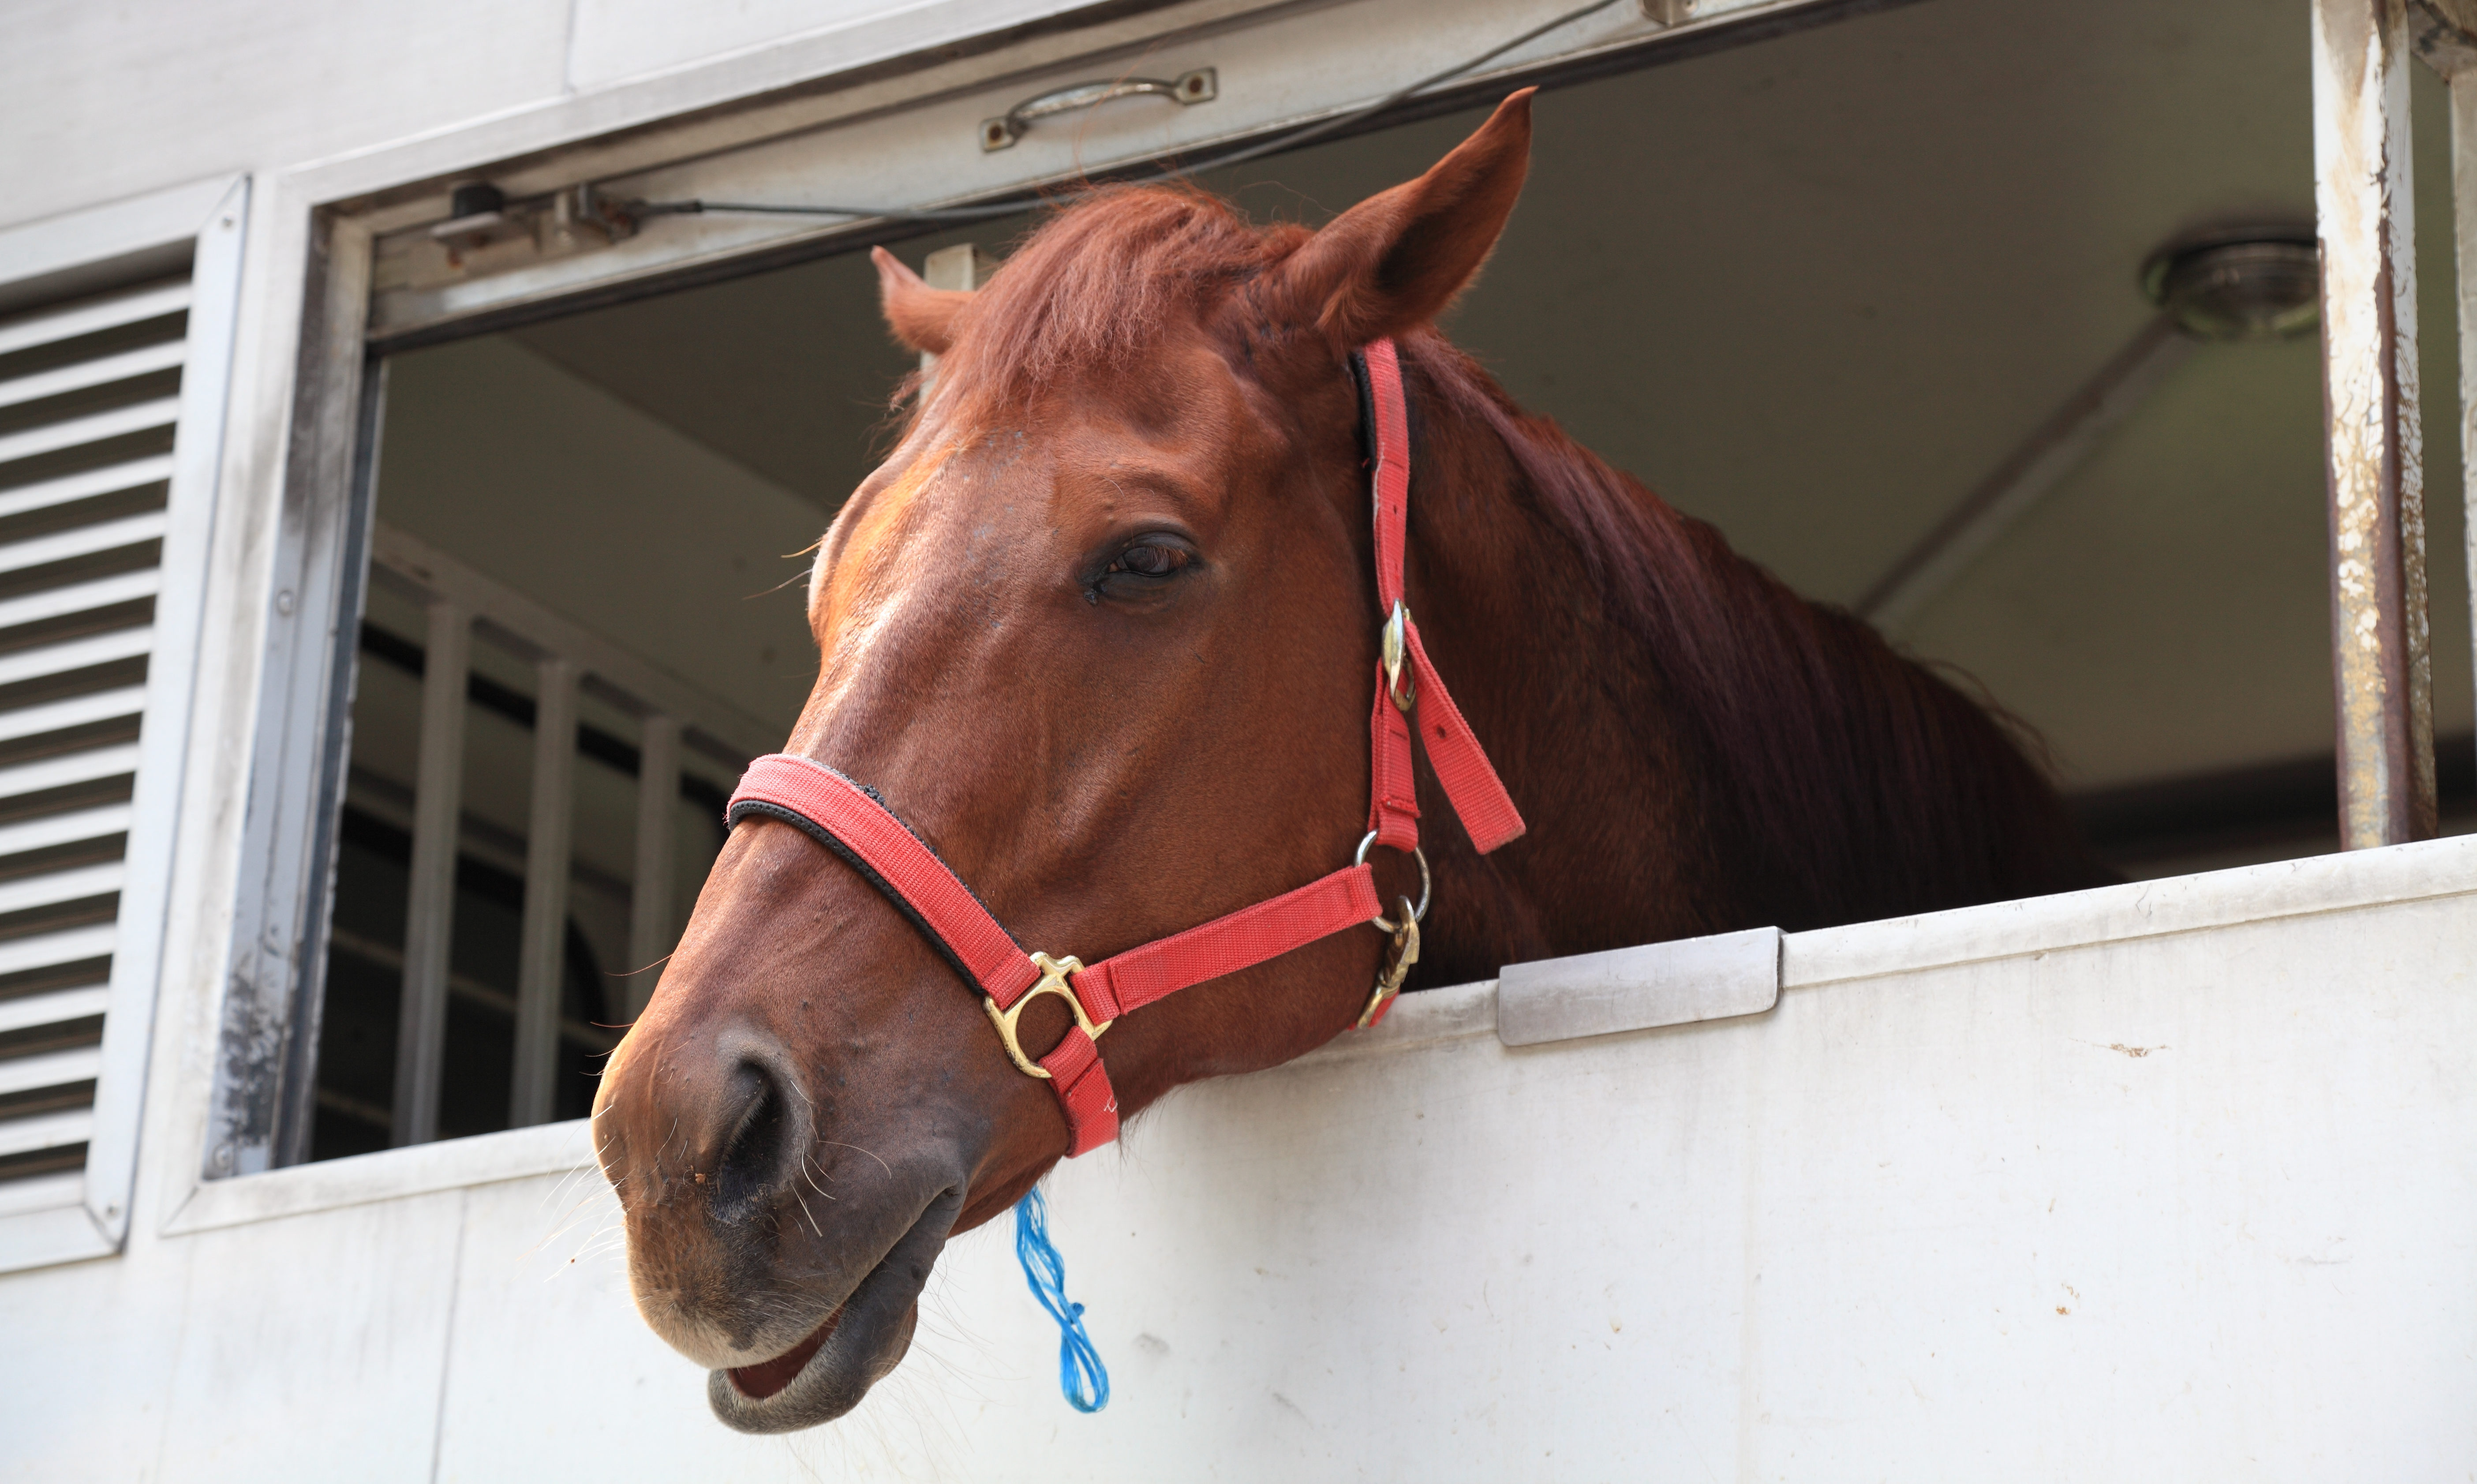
{"points": [[848, 819]]}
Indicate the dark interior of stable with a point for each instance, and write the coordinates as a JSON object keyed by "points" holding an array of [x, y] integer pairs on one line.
{"points": [[1811, 289]]}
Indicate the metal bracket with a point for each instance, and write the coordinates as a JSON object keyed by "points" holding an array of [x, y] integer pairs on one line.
{"points": [[1201, 85], [2445, 34]]}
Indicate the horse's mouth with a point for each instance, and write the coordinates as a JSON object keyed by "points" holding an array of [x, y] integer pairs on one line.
{"points": [[852, 1348], [760, 1381]]}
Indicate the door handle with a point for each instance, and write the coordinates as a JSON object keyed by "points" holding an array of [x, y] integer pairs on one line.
{"points": [[1188, 88]]}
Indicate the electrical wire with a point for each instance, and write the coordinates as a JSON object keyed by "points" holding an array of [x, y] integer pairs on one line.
{"points": [[987, 210]]}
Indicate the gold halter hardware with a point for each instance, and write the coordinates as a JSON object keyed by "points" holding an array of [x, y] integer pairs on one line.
{"points": [[1393, 648], [1056, 978], [1405, 952]]}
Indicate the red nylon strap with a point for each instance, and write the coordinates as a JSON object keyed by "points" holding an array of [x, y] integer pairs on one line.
{"points": [[1242, 939], [1470, 781], [1462, 768], [1083, 1092], [861, 831], [847, 820], [1393, 795], [1392, 484]]}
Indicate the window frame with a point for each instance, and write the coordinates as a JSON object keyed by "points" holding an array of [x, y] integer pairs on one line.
{"points": [[205, 222], [283, 734]]}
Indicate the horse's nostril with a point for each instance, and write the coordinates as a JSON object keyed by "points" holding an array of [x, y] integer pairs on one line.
{"points": [[754, 1158]]}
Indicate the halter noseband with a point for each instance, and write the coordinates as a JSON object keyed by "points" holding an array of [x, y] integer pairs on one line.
{"points": [[848, 819]]}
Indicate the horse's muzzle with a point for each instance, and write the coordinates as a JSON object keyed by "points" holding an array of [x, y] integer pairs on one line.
{"points": [[786, 1261]]}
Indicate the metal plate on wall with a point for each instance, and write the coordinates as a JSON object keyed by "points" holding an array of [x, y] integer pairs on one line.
{"points": [[1638, 989]]}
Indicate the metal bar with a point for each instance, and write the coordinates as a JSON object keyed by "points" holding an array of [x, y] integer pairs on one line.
{"points": [[264, 1077], [93, 315], [2364, 206], [651, 932], [109, 480], [93, 428], [2043, 461], [82, 597], [542, 954], [2447, 37], [732, 736], [86, 540], [467, 987], [890, 150], [962, 266], [429, 906], [101, 371]]}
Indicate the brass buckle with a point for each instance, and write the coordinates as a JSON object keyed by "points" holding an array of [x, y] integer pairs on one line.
{"points": [[1405, 952], [1054, 980], [1393, 648]]}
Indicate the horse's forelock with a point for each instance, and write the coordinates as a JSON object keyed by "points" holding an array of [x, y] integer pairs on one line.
{"points": [[1093, 289]]}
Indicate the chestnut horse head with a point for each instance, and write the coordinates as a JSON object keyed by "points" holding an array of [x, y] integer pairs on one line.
{"points": [[1101, 632]]}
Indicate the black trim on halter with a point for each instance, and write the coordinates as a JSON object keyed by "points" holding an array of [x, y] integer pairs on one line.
{"points": [[827, 838], [1366, 390]]}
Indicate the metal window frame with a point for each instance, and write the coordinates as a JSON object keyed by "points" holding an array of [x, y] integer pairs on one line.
{"points": [[207, 223], [316, 400], [266, 1027]]}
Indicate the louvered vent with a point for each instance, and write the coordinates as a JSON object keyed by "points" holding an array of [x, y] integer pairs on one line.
{"points": [[88, 392]]}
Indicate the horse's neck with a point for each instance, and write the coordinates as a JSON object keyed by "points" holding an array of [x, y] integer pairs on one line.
{"points": [[1694, 747], [1570, 712]]}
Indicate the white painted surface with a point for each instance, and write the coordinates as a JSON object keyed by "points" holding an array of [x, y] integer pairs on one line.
{"points": [[611, 40], [119, 99], [2171, 1180]]}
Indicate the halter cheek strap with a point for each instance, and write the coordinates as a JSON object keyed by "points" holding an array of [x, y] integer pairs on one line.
{"points": [[849, 820]]}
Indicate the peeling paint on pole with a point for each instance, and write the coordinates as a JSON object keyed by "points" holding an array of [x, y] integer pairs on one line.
{"points": [[2365, 205]]}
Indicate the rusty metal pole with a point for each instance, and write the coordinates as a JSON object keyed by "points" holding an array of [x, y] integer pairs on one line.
{"points": [[2446, 37], [2364, 202]]}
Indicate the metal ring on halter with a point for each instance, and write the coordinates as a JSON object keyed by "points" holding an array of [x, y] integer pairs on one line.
{"points": [[1427, 887]]}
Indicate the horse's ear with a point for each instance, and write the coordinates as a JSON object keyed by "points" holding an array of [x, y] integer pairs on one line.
{"points": [[920, 317], [1396, 259]]}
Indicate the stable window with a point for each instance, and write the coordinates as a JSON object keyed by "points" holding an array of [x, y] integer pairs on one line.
{"points": [[1869, 298], [114, 352]]}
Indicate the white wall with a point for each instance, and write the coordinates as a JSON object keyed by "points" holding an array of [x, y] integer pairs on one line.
{"points": [[98, 102], [2165, 1181]]}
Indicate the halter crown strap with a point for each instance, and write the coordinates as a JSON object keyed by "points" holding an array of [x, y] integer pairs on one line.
{"points": [[849, 820], [1463, 770]]}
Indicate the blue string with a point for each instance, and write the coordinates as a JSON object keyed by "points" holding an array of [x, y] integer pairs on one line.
{"points": [[1080, 1376]]}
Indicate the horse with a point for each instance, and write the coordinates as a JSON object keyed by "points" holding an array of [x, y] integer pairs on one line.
{"points": [[1099, 633]]}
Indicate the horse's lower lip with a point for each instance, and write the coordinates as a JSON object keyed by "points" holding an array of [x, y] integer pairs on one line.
{"points": [[766, 1378], [827, 1373]]}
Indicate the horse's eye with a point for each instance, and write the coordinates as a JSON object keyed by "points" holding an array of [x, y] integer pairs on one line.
{"points": [[1148, 558], [1141, 570]]}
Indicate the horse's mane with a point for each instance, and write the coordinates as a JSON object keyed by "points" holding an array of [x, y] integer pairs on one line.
{"points": [[1853, 782], [1860, 784]]}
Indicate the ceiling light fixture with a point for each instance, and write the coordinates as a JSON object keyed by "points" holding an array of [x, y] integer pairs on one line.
{"points": [[2248, 283]]}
